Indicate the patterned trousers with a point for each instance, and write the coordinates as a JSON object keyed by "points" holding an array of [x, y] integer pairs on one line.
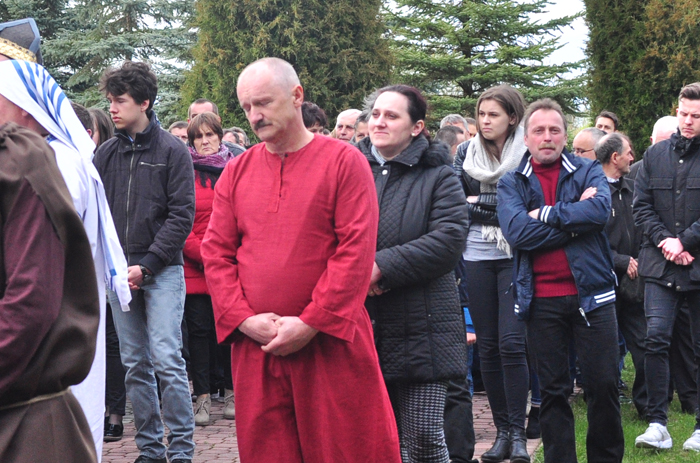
{"points": [[419, 410]]}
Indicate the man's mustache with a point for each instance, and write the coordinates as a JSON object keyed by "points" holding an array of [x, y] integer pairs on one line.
{"points": [[260, 124], [545, 146]]}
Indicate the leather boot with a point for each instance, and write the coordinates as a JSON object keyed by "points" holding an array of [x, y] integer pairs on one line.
{"points": [[518, 446], [500, 450]]}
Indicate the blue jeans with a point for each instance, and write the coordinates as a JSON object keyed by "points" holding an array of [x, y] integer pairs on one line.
{"points": [[661, 305], [553, 323], [150, 342]]}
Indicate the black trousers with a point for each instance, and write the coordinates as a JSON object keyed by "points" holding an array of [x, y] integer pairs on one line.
{"points": [[661, 305], [501, 339], [115, 390], [684, 370], [553, 322], [459, 422], [201, 332], [633, 325]]}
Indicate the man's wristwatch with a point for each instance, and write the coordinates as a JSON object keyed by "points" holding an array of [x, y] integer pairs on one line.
{"points": [[147, 275]]}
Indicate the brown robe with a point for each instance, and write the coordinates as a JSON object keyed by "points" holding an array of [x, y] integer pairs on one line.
{"points": [[49, 309]]}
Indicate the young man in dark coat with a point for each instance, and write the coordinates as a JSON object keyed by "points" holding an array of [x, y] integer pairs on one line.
{"points": [[666, 206]]}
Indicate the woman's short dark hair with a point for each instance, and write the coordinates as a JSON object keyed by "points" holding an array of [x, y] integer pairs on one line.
{"points": [[135, 78], [313, 114], [208, 119], [417, 104], [103, 124]]}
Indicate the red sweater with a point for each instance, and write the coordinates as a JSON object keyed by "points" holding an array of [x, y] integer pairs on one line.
{"points": [[194, 268], [295, 236], [553, 275]]}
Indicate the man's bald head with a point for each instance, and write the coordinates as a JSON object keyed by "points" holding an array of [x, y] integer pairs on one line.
{"points": [[664, 128], [271, 96], [282, 72]]}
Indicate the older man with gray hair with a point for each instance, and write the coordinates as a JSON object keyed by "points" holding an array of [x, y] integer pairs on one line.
{"points": [[615, 155], [585, 142], [457, 121], [345, 124], [663, 129]]}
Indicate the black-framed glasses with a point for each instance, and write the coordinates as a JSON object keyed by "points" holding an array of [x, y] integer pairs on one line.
{"points": [[580, 151]]}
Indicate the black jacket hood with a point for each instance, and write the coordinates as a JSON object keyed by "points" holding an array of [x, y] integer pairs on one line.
{"points": [[420, 151]]}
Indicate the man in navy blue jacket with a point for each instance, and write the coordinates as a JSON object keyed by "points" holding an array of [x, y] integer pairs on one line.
{"points": [[553, 209]]}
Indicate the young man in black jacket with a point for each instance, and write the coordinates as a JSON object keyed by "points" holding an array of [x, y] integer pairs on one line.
{"points": [[149, 182], [667, 207]]}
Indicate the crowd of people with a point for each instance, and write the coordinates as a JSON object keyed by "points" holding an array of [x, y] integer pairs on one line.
{"points": [[329, 285]]}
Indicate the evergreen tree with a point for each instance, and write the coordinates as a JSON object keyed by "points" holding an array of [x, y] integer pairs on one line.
{"points": [[336, 47], [614, 50], [454, 50], [82, 38], [642, 52]]}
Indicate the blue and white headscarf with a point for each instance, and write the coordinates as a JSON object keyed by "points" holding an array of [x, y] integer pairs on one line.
{"points": [[31, 87]]}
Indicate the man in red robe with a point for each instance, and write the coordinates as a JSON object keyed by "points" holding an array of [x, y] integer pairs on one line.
{"points": [[288, 257]]}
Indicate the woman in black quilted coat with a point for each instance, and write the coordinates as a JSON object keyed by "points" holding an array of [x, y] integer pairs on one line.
{"points": [[413, 301]]}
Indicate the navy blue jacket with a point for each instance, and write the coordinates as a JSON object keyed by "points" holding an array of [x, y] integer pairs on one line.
{"points": [[577, 226]]}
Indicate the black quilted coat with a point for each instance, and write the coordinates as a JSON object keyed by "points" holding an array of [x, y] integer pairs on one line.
{"points": [[418, 323]]}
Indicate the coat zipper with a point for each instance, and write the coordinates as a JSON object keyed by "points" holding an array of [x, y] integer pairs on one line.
{"points": [[583, 314], [128, 199]]}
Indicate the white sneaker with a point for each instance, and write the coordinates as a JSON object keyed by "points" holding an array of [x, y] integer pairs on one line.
{"points": [[693, 442], [656, 437]]}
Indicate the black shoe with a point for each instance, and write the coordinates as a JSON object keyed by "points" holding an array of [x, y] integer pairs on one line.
{"points": [[145, 459], [113, 432], [500, 450], [518, 446], [533, 424], [181, 460]]}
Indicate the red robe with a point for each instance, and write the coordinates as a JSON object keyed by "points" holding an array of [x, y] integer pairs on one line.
{"points": [[296, 235]]}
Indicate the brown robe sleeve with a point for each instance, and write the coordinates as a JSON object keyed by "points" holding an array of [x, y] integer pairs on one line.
{"points": [[34, 270]]}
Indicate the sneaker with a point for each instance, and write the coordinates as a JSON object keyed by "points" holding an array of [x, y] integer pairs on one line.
{"points": [[655, 437], [229, 406], [693, 442], [202, 410]]}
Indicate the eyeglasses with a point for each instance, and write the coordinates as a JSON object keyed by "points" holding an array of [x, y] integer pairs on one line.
{"points": [[579, 151]]}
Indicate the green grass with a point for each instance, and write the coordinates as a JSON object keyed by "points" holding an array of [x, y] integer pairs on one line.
{"points": [[680, 425]]}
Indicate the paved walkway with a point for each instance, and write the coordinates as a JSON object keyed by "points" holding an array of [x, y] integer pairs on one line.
{"points": [[216, 443]]}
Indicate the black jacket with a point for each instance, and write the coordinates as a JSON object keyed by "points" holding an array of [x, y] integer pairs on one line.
{"points": [[149, 183], [483, 211], [418, 323], [624, 236], [667, 205]]}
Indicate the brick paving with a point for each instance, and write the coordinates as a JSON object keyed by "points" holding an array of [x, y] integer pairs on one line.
{"points": [[216, 443]]}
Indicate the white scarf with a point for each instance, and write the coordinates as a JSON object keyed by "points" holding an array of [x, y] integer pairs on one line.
{"points": [[481, 166], [31, 87]]}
